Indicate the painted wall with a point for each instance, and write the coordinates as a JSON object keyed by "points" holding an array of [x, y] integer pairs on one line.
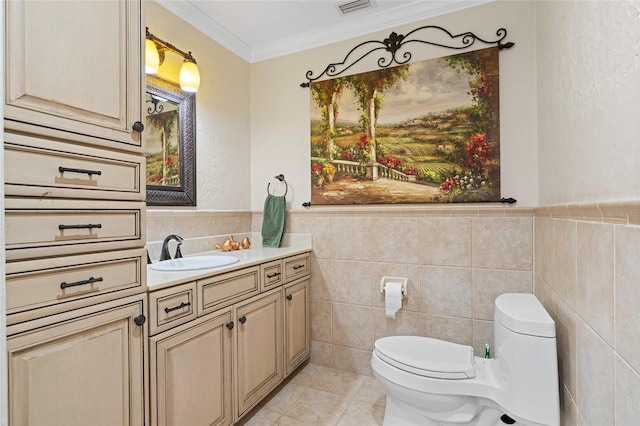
{"points": [[222, 111], [4, 418], [588, 109], [280, 107], [587, 268]]}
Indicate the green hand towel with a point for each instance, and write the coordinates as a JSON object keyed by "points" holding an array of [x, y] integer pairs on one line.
{"points": [[273, 220]]}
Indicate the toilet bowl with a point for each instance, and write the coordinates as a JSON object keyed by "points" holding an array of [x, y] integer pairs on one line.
{"points": [[431, 382]]}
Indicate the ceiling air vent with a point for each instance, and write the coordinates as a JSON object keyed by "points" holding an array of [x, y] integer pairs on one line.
{"points": [[352, 6]]}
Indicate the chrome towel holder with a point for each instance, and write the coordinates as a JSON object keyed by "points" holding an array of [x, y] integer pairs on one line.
{"points": [[281, 178]]}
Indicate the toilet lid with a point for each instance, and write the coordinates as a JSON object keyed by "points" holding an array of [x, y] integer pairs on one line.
{"points": [[427, 357]]}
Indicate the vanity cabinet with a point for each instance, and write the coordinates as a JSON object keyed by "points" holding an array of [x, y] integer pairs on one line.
{"points": [[191, 371], [259, 348], [82, 367], [297, 343], [221, 343], [76, 67]]}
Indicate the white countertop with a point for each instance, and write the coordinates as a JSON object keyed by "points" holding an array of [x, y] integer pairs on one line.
{"points": [[292, 244]]}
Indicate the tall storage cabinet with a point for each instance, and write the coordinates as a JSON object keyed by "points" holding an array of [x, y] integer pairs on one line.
{"points": [[74, 213], [83, 367], [75, 66]]}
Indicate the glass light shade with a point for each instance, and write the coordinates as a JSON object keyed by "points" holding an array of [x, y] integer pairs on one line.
{"points": [[189, 76], [151, 57]]}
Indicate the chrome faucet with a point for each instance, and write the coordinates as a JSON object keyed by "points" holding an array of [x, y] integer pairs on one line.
{"points": [[164, 254]]}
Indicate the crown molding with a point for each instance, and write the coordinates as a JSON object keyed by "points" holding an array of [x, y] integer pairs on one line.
{"points": [[375, 22]]}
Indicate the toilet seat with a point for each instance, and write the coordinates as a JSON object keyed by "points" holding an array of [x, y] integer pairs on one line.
{"points": [[427, 357]]}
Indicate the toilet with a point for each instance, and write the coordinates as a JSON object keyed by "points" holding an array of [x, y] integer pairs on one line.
{"points": [[431, 382]]}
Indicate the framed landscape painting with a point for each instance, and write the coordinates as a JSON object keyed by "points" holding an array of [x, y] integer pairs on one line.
{"points": [[425, 132]]}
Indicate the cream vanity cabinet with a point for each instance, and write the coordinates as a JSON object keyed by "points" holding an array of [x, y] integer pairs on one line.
{"points": [[220, 344], [77, 338], [75, 66], [259, 348], [297, 346], [82, 367], [191, 372]]}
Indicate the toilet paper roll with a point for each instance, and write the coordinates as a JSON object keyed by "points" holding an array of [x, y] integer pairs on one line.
{"points": [[392, 298]]}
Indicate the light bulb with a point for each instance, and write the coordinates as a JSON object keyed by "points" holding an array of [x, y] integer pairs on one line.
{"points": [[152, 58], [189, 76]]}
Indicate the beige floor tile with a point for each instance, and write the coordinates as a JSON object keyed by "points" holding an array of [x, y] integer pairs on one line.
{"points": [[338, 382], [285, 398], [317, 396], [289, 421], [360, 413], [371, 391], [262, 417], [318, 407], [308, 374]]}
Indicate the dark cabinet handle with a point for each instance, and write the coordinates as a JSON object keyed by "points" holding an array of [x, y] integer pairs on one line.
{"points": [[229, 325], [138, 126], [275, 274], [290, 297], [139, 320], [299, 266], [91, 280], [82, 171], [87, 226], [242, 319], [180, 306]]}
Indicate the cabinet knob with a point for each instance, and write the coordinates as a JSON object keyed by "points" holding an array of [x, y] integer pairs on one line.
{"points": [[242, 319], [139, 320], [289, 297], [138, 126], [229, 325]]}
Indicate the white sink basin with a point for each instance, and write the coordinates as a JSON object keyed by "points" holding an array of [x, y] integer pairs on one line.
{"points": [[192, 263]]}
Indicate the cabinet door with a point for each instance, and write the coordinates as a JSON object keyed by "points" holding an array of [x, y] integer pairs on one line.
{"points": [[75, 66], [191, 373], [297, 330], [259, 349], [87, 370]]}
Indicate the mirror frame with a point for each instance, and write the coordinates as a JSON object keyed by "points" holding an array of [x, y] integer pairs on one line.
{"points": [[185, 194]]}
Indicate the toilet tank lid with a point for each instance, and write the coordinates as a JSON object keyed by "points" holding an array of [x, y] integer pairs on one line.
{"points": [[524, 314]]}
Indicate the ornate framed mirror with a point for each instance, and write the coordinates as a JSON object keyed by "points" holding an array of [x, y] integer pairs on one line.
{"points": [[170, 118]]}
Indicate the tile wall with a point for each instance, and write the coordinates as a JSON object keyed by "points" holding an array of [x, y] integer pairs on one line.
{"points": [[457, 261], [588, 277], [587, 274], [195, 223]]}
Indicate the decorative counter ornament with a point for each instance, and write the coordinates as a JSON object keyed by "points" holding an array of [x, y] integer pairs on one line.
{"points": [[245, 243], [229, 245]]}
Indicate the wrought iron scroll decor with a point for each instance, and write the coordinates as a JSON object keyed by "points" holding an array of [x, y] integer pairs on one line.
{"points": [[395, 42]]}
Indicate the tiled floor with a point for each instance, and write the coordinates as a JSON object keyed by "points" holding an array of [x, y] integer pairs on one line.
{"points": [[317, 395]]}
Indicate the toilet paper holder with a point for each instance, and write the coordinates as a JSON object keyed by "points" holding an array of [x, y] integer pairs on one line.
{"points": [[403, 282]]}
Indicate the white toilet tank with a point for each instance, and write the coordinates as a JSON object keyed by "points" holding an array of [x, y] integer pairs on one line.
{"points": [[525, 351]]}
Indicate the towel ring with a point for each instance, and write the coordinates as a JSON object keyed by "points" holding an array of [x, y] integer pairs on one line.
{"points": [[280, 177]]}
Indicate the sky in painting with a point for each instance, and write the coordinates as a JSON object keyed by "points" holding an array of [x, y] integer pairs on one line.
{"points": [[431, 87]]}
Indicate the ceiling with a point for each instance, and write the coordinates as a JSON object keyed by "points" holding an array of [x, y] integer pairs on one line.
{"points": [[257, 30]]}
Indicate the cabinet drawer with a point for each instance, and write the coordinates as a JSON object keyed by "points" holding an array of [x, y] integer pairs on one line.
{"points": [[296, 267], [172, 306], [44, 282], [37, 227], [58, 169], [225, 289], [271, 274]]}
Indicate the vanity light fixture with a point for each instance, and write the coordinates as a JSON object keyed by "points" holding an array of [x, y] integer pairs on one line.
{"points": [[154, 57]]}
